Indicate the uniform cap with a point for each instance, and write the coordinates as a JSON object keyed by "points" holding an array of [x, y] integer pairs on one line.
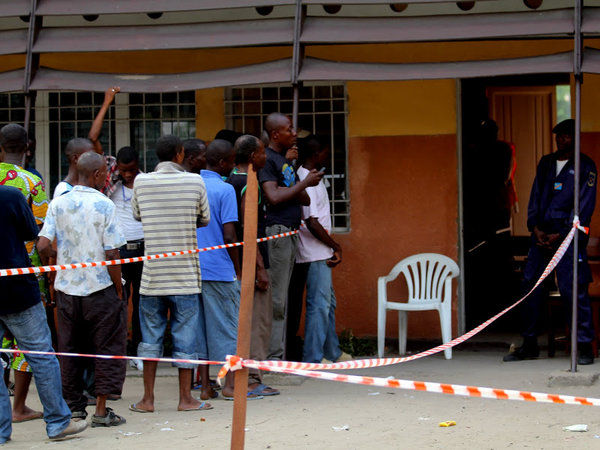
{"points": [[565, 127]]}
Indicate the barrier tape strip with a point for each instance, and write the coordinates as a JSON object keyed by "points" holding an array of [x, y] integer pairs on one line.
{"points": [[115, 262], [440, 388], [379, 362], [236, 363]]}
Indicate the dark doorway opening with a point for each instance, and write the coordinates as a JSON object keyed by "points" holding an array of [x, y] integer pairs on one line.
{"points": [[496, 240]]}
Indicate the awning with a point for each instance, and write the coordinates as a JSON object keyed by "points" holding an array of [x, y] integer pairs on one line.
{"points": [[269, 72], [321, 70], [184, 36], [336, 30]]}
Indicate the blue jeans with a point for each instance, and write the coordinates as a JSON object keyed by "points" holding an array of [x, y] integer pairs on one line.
{"points": [[30, 328], [221, 301], [320, 339], [185, 327]]}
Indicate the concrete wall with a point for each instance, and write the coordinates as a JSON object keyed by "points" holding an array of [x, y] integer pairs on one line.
{"points": [[403, 193]]}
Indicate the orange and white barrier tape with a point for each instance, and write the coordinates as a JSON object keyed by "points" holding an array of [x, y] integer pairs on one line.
{"points": [[236, 363], [115, 262], [378, 362], [440, 388]]}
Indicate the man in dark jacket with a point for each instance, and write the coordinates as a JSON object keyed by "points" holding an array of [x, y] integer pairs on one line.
{"points": [[550, 218]]}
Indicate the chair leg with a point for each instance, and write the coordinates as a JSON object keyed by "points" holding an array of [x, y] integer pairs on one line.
{"points": [[402, 329], [446, 326], [381, 311]]}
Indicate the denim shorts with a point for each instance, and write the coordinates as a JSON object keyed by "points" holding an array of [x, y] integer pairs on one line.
{"points": [[221, 301], [187, 330]]}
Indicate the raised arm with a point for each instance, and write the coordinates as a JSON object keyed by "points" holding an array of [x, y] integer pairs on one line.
{"points": [[94, 134]]}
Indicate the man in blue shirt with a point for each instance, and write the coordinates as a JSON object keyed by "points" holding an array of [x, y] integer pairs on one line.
{"points": [[220, 268], [22, 313]]}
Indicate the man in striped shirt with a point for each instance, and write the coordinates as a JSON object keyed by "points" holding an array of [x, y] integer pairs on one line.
{"points": [[171, 204]]}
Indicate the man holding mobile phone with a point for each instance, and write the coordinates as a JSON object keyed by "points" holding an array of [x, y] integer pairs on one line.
{"points": [[285, 195], [320, 252]]}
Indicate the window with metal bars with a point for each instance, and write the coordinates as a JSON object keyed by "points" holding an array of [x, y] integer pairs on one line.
{"points": [[322, 111], [154, 115], [70, 115]]}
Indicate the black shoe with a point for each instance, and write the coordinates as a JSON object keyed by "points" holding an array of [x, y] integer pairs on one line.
{"points": [[586, 355], [109, 420], [522, 353]]}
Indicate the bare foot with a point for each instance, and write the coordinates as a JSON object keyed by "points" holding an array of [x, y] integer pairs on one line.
{"points": [[25, 415], [142, 406], [227, 391], [207, 394], [192, 404]]}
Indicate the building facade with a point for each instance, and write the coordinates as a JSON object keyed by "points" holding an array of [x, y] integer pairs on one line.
{"points": [[396, 176]]}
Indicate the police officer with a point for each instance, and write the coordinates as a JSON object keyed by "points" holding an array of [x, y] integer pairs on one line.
{"points": [[550, 218]]}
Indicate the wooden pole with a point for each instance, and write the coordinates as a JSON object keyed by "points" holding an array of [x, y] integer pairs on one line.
{"points": [[245, 315]]}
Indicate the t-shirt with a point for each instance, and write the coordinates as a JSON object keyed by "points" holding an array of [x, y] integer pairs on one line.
{"points": [[216, 265], [84, 223], [309, 247], [560, 164], [278, 169], [131, 228], [171, 204], [17, 225], [34, 191], [62, 188], [239, 180]]}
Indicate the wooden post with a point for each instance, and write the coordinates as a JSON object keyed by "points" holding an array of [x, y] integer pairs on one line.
{"points": [[245, 315]]}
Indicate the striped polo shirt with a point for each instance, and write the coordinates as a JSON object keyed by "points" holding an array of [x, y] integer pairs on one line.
{"points": [[171, 204]]}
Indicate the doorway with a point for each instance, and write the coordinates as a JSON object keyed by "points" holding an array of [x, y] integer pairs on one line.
{"points": [[497, 179]]}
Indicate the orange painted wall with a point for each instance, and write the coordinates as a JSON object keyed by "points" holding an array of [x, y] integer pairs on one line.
{"points": [[403, 201]]}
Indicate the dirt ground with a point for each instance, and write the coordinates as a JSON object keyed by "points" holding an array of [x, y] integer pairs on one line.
{"points": [[304, 415]]}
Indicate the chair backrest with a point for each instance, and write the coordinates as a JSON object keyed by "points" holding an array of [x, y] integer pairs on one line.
{"points": [[426, 275]]}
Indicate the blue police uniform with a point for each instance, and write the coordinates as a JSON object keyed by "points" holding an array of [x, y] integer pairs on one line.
{"points": [[551, 210]]}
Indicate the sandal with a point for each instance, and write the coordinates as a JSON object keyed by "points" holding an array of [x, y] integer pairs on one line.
{"points": [[249, 396], [201, 407], [264, 390], [109, 420]]}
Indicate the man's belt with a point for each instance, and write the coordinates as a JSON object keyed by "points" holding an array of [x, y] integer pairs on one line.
{"points": [[134, 245]]}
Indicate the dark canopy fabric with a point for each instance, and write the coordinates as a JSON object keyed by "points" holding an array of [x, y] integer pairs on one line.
{"points": [[312, 70], [13, 41], [270, 72], [320, 70], [437, 28], [64, 7], [165, 37], [11, 81]]}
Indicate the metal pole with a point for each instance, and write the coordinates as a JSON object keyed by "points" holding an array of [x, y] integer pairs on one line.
{"points": [[577, 48], [31, 62], [297, 55]]}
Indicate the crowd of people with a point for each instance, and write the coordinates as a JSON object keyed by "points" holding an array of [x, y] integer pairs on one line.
{"points": [[107, 208]]}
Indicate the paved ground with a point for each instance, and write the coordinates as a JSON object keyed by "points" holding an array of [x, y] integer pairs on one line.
{"points": [[305, 414]]}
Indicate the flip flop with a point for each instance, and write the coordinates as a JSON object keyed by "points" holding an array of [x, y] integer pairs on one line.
{"points": [[261, 388], [133, 407], [249, 396], [201, 407], [37, 415]]}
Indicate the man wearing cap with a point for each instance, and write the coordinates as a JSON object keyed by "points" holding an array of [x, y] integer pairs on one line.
{"points": [[550, 218]]}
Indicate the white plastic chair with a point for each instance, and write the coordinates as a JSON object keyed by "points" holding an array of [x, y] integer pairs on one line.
{"points": [[429, 279]]}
